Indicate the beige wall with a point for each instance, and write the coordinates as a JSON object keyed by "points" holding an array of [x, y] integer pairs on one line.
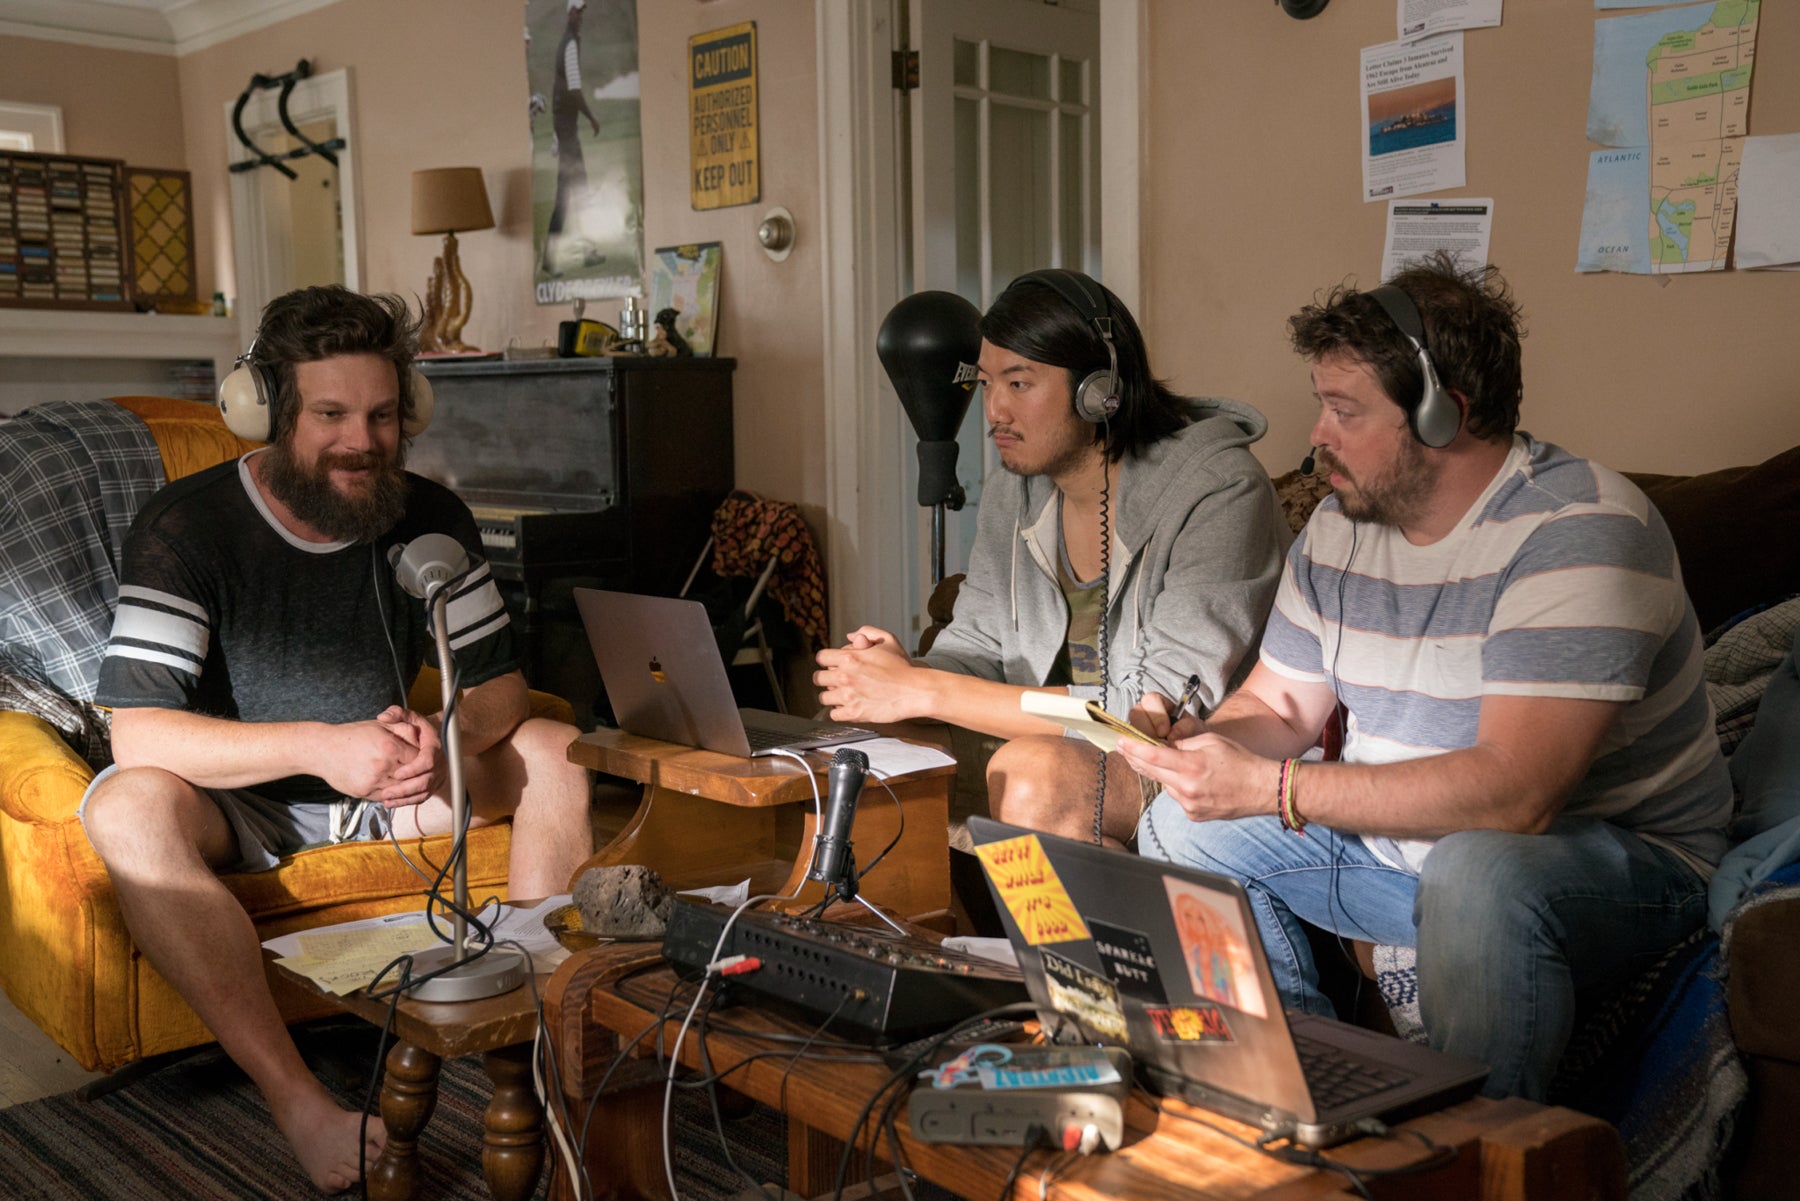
{"points": [[1252, 202], [115, 103], [457, 94]]}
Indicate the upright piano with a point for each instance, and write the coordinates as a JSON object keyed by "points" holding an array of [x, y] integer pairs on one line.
{"points": [[604, 470]]}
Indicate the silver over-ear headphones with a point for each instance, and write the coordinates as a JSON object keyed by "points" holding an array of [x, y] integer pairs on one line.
{"points": [[1435, 416], [250, 392], [1097, 395]]}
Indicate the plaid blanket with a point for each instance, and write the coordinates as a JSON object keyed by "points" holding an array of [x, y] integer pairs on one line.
{"points": [[73, 474], [83, 725]]}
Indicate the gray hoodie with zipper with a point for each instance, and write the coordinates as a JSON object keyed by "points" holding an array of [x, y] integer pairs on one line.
{"points": [[1197, 548]]}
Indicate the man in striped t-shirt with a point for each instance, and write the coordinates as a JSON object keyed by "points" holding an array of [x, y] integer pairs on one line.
{"points": [[1531, 791], [257, 674]]}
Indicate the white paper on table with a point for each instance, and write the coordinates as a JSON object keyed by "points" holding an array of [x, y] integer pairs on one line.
{"points": [[1768, 208], [288, 945], [346, 956], [999, 950], [525, 926], [1415, 228], [1428, 18], [1414, 120], [894, 757], [721, 894]]}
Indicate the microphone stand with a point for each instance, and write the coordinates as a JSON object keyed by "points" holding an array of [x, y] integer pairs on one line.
{"points": [[954, 500], [498, 970], [845, 885], [846, 891]]}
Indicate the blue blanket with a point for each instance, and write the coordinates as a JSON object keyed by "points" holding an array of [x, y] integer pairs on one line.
{"points": [[1660, 1064]]}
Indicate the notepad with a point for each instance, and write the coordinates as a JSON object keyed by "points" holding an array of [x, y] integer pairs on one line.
{"points": [[1086, 718]]}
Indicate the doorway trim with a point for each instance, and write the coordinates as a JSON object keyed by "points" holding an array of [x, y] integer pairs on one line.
{"points": [[862, 141]]}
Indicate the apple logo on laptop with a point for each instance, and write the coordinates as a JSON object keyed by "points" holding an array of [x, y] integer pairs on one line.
{"points": [[656, 671]]}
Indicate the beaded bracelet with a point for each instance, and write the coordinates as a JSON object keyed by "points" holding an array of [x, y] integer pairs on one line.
{"points": [[1285, 804]]}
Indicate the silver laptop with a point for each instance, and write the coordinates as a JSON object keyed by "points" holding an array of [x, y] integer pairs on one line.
{"points": [[1165, 960], [665, 679]]}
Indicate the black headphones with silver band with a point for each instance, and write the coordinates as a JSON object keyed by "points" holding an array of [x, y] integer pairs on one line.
{"points": [[251, 391], [1097, 395], [1435, 416]]}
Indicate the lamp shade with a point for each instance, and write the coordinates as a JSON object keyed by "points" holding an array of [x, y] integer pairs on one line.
{"points": [[449, 200]]}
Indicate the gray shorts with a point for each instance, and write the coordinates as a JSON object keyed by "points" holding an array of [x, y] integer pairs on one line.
{"points": [[269, 830]]}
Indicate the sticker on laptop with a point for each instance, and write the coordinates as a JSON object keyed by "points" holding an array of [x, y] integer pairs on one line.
{"points": [[1199, 1023], [1032, 891], [1127, 958], [1215, 946], [1086, 996]]}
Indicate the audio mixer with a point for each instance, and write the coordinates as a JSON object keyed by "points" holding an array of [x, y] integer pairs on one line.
{"points": [[883, 986]]}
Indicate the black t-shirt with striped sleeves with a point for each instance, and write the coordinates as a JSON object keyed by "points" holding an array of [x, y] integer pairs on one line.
{"points": [[223, 612]]}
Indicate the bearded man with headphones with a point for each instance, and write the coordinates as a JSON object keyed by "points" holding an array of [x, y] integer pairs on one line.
{"points": [[1129, 542], [258, 672], [1531, 792]]}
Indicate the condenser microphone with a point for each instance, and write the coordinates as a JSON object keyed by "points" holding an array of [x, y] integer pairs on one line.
{"points": [[428, 560], [848, 770], [1306, 464]]}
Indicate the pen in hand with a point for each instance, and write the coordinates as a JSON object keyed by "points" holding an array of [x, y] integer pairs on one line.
{"points": [[1189, 691]]}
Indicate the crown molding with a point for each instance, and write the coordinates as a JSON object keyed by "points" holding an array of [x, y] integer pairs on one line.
{"points": [[170, 27], [197, 24]]}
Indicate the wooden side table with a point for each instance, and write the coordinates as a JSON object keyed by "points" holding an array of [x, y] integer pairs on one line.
{"points": [[501, 1030], [1511, 1150], [709, 819]]}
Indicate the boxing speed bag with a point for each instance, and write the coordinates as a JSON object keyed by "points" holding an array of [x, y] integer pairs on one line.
{"points": [[928, 345]]}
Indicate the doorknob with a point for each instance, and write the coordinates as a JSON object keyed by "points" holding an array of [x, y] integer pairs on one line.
{"points": [[776, 233]]}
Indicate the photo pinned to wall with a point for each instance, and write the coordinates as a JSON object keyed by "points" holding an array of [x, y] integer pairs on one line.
{"points": [[684, 281], [1215, 946], [587, 168]]}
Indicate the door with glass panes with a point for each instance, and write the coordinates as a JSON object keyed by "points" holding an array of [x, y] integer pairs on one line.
{"points": [[1005, 179]]}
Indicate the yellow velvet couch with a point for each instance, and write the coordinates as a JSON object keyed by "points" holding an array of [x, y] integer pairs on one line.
{"points": [[66, 959]]}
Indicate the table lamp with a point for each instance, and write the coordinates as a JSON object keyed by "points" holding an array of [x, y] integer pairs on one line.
{"points": [[446, 200]]}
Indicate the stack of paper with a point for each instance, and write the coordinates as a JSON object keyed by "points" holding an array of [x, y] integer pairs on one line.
{"points": [[346, 957], [342, 960]]}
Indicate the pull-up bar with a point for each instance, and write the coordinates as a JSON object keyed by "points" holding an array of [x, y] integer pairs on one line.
{"points": [[260, 82]]}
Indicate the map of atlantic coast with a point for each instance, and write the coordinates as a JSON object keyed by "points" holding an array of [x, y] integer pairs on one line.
{"points": [[1674, 85]]}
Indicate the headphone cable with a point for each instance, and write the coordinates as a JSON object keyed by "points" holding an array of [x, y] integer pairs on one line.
{"points": [[1105, 604]]}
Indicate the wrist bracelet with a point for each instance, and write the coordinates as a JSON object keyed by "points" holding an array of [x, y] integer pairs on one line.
{"points": [[1285, 804]]}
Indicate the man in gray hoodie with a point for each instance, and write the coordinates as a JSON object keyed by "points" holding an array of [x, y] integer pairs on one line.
{"points": [[1131, 543]]}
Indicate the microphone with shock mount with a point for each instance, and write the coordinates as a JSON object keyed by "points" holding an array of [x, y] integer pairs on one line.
{"points": [[426, 567], [834, 859], [427, 560]]}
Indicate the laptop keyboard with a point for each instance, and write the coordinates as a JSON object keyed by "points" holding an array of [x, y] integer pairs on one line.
{"points": [[762, 738], [1336, 1078]]}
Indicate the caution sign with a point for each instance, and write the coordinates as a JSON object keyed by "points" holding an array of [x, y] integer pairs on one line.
{"points": [[722, 117]]}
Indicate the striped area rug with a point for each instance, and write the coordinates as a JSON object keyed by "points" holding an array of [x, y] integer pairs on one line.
{"points": [[198, 1131]]}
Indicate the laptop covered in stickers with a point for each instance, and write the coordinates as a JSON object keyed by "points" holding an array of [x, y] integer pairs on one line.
{"points": [[1165, 961]]}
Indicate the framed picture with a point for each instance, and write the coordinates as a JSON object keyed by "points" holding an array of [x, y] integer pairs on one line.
{"points": [[686, 279], [587, 164]]}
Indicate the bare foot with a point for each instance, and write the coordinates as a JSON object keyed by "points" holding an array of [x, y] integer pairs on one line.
{"points": [[323, 1136]]}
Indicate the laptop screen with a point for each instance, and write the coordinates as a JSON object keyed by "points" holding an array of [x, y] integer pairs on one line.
{"points": [[1159, 959]]}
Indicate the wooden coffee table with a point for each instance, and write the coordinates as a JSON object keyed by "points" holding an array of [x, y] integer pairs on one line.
{"points": [[501, 1030], [1511, 1150], [710, 819]]}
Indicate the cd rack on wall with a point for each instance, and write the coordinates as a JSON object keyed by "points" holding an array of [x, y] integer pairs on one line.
{"points": [[62, 241]]}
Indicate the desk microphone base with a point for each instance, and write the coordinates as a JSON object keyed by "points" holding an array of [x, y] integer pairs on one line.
{"points": [[498, 971]]}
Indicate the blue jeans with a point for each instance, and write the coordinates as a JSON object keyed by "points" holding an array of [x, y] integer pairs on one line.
{"points": [[1514, 931]]}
